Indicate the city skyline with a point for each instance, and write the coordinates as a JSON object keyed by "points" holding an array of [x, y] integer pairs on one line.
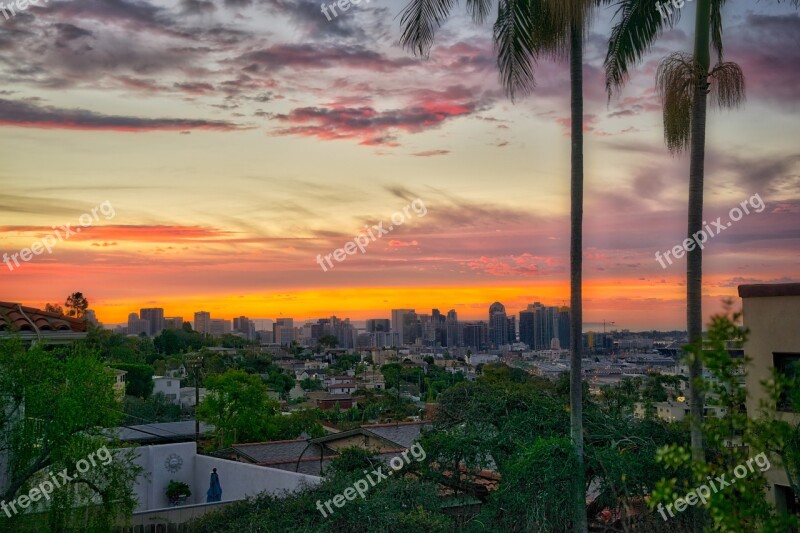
{"points": [[230, 170]]}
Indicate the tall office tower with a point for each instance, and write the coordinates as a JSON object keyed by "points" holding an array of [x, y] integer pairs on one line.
{"points": [[404, 323], [155, 316], [244, 326], [173, 322], [283, 331], [498, 324], [475, 334], [375, 325], [544, 324], [451, 329], [526, 321], [512, 329], [564, 328], [439, 325], [137, 326], [219, 327], [202, 322]]}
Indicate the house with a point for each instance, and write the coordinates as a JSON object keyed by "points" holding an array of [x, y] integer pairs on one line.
{"points": [[313, 456], [188, 396], [326, 400], [169, 387], [33, 325], [180, 462], [771, 313], [119, 382], [340, 384]]}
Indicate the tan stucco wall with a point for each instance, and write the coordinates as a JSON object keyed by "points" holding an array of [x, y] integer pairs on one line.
{"points": [[774, 324]]}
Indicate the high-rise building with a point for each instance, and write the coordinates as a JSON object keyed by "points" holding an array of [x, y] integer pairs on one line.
{"points": [[475, 334], [202, 322], [452, 331], [283, 331], [219, 327], [173, 322], [405, 323], [375, 325], [526, 327], [155, 316], [564, 328], [498, 324], [244, 326], [137, 326]]}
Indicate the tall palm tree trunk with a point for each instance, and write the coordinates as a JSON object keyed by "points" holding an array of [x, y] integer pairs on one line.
{"points": [[576, 271], [694, 259]]}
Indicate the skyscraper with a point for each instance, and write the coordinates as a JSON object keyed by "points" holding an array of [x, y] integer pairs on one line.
{"points": [[452, 331], [137, 326], [202, 322], [498, 324], [155, 316], [564, 328], [404, 323], [283, 331], [526, 328], [375, 325], [244, 326]]}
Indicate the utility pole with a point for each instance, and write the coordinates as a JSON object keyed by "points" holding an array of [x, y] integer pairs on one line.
{"points": [[196, 363]]}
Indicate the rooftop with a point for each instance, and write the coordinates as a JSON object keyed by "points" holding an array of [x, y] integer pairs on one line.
{"points": [[769, 290]]}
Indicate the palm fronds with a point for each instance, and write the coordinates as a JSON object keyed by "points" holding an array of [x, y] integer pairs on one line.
{"points": [[676, 80], [727, 86], [639, 23]]}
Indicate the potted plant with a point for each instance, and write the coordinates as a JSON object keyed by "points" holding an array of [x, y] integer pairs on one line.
{"points": [[177, 492]]}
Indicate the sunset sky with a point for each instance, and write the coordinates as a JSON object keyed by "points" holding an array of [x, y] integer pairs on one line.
{"points": [[238, 139]]}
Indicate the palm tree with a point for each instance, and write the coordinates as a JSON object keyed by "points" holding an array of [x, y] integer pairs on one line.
{"points": [[684, 83], [524, 31]]}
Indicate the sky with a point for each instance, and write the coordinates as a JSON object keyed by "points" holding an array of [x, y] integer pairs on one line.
{"points": [[225, 145]]}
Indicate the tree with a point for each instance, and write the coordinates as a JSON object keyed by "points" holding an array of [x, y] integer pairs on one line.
{"points": [[54, 411], [732, 440], [329, 341], [54, 308], [524, 31], [684, 83], [238, 406], [138, 380], [76, 305]]}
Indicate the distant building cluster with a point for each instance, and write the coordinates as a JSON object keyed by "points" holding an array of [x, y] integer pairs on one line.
{"points": [[539, 328]]}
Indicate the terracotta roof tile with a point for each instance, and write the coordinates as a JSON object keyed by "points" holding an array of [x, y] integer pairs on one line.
{"points": [[13, 318]]}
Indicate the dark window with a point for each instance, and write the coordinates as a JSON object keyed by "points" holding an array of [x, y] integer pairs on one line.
{"points": [[788, 365]]}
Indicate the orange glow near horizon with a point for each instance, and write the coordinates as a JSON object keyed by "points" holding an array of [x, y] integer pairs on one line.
{"points": [[624, 301]]}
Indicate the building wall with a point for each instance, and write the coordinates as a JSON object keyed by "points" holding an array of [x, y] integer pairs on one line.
{"points": [[773, 328], [238, 480]]}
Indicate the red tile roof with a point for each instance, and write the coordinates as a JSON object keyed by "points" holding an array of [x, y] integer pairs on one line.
{"points": [[17, 317]]}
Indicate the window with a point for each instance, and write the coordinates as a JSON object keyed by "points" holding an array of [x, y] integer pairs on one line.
{"points": [[788, 365], [169, 383]]}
